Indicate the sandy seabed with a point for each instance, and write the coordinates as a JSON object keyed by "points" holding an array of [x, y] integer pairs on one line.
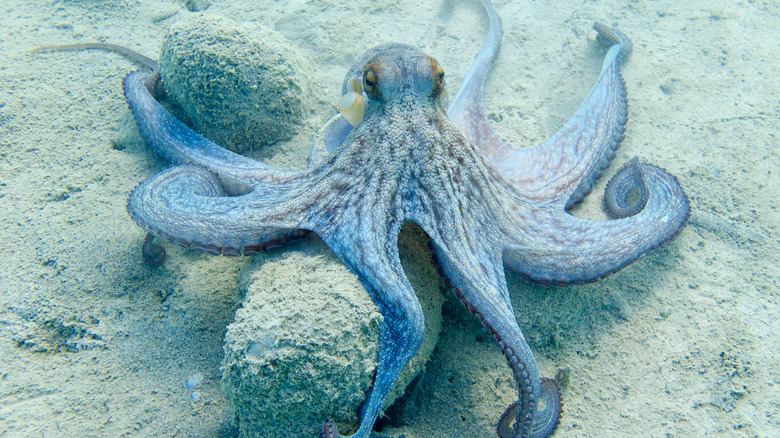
{"points": [[683, 343]]}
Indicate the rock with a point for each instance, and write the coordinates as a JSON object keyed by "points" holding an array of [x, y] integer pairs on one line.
{"points": [[242, 86], [305, 344]]}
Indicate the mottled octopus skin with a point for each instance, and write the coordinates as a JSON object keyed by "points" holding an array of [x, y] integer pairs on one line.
{"points": [[484, 204]]}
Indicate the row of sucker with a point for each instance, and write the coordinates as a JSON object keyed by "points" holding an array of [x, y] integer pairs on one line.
{"points": [[524, 417], [150, 250], [618, 192], [547, 416]]}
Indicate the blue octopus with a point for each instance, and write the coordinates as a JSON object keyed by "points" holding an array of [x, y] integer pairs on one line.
{"points": [[397, 153]]}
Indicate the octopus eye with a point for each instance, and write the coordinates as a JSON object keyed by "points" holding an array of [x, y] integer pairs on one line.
{"points": [[369, 80], [440, 74]]}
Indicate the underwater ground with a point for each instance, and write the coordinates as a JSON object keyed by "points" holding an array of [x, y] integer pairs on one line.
{"points": [[94, 342]]}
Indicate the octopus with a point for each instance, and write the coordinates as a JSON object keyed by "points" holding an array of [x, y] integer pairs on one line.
{"points": [[397, 152]]}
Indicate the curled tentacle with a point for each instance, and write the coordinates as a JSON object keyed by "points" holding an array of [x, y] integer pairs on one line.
{"points": [[619, 189], [497, 317], [571, 250], [608, 36], [153, 254], [178, 144], [527, 417], [547, 417], [188, 206]]}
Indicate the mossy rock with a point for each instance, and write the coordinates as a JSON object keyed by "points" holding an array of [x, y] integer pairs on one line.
{"points": [[241, 85], [304, 346]]}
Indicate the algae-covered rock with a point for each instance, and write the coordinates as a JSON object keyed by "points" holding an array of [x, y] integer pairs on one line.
{"points": [[305, 344], [241, 85]]}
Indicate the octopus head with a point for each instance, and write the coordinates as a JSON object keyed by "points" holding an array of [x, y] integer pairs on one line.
{"points": [[400, 70], [391, 73]]}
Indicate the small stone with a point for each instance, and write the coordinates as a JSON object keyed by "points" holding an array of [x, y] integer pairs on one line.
{"points": [[194, 381], [197, 5], [562, 376], [618, 305]]}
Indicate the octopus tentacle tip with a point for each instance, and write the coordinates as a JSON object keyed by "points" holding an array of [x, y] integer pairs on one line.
{"points": [[149, 62], [152, 253], [619, 198], [548, 413], [608, 35], [352, 108]]}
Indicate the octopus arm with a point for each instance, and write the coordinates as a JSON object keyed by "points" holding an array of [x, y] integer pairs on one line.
{"points": [[565, 166], [475, 274], [189, 206], [566, 249], [178, 144], [369, 249], [467, 109]]}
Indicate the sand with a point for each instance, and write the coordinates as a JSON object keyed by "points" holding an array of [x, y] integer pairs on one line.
{"points": [[682, 343]]}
